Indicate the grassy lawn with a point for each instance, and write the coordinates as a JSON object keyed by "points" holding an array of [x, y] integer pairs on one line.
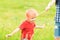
{"points": [[12, 13]]}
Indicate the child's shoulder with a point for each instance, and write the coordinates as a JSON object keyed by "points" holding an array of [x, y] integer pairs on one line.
{"points": [[25, 21]]}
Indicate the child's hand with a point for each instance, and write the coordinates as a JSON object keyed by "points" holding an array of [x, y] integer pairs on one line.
{"points": [[43, 26], [8, 35], [47, 8]]}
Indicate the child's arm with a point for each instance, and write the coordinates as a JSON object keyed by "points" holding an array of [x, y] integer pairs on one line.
{"points": [[40, 26], [16, 30], [49, 5]]}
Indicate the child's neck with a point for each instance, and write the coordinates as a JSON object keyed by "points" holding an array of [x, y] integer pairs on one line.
{"points": [[29, 21]]}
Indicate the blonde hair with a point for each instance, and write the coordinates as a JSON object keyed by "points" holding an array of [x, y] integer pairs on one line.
{"points": [[31, 11]]}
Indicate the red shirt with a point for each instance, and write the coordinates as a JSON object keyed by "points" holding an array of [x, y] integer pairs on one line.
{"points": [[27, 27]]}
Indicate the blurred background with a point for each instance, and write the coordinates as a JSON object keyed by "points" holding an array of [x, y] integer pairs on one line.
{"points": [[12, 13]]}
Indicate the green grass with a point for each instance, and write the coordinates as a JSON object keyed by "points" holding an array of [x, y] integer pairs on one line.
{"points": [[12, 13]]}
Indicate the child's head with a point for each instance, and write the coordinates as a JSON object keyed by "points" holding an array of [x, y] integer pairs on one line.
{"points": [[31, 14]]}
